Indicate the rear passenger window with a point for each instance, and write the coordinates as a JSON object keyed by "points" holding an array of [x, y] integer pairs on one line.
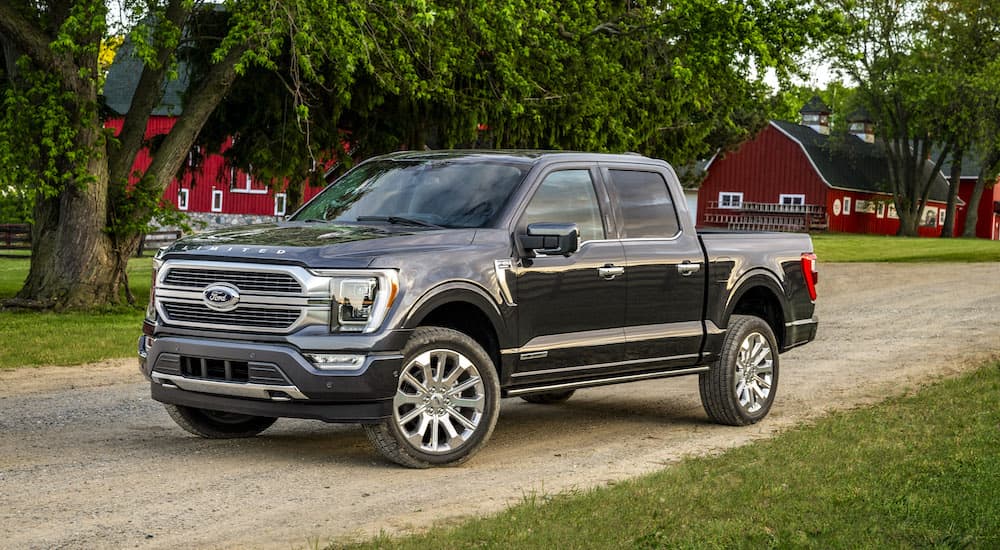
{"points": [[646, 206]]}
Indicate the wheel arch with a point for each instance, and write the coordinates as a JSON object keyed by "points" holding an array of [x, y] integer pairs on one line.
{"points": [[758, 293], [465, 308]]}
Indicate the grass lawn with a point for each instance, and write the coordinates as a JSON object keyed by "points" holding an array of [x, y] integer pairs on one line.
{"points": [[914, 472], [845, 247], [33, 338]]}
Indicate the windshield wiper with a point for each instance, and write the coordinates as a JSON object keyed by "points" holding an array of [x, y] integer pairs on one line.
{"points": [[398, 220]]}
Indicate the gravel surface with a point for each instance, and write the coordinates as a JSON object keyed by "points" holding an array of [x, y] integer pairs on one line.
{"points": [[88, 460]]}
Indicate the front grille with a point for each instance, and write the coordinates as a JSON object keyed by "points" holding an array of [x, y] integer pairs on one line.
{"points": [[241, 316], [232, 371], [245, 281]]}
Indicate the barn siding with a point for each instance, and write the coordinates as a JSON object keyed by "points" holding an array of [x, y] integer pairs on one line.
{"points": [[762, 169], [209, 175]]}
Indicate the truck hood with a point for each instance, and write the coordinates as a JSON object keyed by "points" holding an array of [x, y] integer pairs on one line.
{"points": [[316, 245]]}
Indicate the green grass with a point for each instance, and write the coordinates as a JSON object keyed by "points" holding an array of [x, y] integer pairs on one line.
{"points": [[844, 247], [921, 471], [33, 338]]}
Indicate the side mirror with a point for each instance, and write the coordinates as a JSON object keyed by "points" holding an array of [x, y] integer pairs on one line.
{"points": [[554, 239]]}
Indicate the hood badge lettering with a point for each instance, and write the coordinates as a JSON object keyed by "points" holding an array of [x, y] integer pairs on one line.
{"points": [[221, 297]]}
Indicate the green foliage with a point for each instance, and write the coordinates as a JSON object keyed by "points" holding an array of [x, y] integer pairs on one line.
{"points": [[915, 472], [40, 153]]}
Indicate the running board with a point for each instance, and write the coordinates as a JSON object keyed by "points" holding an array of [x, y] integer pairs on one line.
{"points": [[603, 381]]}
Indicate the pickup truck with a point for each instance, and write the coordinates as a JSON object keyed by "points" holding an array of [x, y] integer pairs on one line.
{"points": [[420, 288]]}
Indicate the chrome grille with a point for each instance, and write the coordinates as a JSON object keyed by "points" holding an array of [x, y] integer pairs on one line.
{"points": [[276, 299], [241, 316], [252, 281]]}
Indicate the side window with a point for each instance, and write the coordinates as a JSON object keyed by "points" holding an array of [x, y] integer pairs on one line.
{"points": [[567, 197], [647, 209]]}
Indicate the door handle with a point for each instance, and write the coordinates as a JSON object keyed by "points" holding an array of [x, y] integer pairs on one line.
{"points": [[610, 271], [687, 269]]}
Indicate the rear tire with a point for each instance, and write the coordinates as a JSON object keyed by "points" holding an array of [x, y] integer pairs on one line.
{"points": [[446, 404], [549, 398], [217, 424], [739, 388]]}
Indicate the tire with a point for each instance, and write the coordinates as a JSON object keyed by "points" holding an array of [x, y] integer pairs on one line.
{"points": [[217, 424], [549, 398], [446, 421], [739, 388]]}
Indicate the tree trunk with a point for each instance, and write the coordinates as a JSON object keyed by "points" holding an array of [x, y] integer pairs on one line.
{"points": [[72, 258], [948, 230], [986, 173]]}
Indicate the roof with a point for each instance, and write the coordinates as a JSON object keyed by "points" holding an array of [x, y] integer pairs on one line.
{"points": [[516, 155], [971, 164], [844, 161], [123, 79], [815, 105], [859, 115]]}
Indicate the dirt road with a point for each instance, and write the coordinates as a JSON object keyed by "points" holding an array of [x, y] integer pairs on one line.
{"points": [[88, 460]]}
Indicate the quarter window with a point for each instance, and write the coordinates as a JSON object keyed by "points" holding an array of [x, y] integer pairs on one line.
{"points": [[730, 200], [567, 197], [647, 209]]}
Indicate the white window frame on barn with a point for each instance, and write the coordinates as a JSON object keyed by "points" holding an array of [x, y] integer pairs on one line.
{"points": [[792, 200], [280, 199], [182, 199], [729, 199], [847, 206], [244, 183], [216, 200]]}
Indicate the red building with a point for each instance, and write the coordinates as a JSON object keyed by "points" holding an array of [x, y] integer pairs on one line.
{"points": [[211, 190], [799, 177], [988, 219]]}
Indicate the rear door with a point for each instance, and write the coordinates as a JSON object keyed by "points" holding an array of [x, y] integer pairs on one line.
{"points": [[664, 268]]}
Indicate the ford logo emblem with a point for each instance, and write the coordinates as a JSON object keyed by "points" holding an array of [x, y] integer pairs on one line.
{"points": [[221, 297]]}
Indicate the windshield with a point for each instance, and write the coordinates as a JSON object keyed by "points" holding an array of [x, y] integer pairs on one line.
{"points": [[444, 193]]}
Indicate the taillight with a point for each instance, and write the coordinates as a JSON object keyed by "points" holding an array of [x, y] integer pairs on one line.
{"points": [[810, 272]]}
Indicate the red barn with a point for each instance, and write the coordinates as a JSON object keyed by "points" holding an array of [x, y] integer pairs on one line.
{"points": [[988, 218], [211, 190], [799, 177]]}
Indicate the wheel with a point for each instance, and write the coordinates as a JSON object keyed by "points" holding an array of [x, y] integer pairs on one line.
{"points": [[739, 388], [217, 424], [549, 398], [446, 404]]}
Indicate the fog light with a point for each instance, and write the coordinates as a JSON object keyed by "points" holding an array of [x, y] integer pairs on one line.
{"points": [[336, 361]]}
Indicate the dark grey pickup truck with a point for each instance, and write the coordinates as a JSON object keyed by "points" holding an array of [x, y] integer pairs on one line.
{"points": [[420, 288]]}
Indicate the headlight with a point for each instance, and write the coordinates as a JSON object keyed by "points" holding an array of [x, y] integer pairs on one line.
{"points": [[151, 308], [360, 300]]}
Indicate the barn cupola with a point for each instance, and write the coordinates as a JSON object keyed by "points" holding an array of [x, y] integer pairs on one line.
{"points": [[816, 115], [861, 125]]}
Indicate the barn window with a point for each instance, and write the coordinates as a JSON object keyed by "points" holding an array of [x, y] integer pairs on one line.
{"points": [[730, 200], [216, 200], [797, 200], [280, 202], [243, 182], [847, 206], [182, 199]]}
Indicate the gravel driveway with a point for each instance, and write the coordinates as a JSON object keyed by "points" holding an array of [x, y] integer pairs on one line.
{"points": [[88, 460]]}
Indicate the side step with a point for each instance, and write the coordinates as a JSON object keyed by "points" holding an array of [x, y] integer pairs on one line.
{"points": [[603, 381]]}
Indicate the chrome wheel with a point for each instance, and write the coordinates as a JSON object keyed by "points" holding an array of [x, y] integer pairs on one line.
{"points": [[754, 372], [439, 401]]}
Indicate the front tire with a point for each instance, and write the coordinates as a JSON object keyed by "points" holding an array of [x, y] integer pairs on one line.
{"points": [[740, 387], [217, 424], [446, 404]]}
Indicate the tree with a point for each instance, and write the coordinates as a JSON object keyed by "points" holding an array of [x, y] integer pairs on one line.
{"points": [[89, 208], [672, 79]]}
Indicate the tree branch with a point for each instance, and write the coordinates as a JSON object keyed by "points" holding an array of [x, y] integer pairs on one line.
{"points": [[148, 93], [30, 39]]}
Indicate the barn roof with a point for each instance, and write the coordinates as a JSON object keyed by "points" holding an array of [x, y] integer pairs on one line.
{"points": [[123, 79], [845, 161]]}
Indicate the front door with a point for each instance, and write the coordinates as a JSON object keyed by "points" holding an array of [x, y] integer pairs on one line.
{"points": [[571, 310]]}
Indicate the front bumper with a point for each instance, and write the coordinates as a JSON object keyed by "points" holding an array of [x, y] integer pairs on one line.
{"points": [[270, 379]]}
